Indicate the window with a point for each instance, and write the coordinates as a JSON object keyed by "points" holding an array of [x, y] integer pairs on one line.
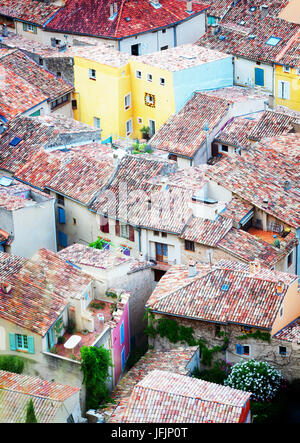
{"points": [[224, 148], [242, 349], [104, 224], [58, 74], [22, 342], [60, 101], [156, 233], [149, 100], [129, 127], [125, 231], [149, 77], [281, 312], [282, 350], [189, 245], [127, 101], [163, 48], [290, 259], [138, 74], [286, 69], [96, 122], [283, 90], [92, 74], [74, 221], [164, 234], [135, 49], [74, 104], [60, 199], [173, 157], [140, 120], [163, 31], [29, 28], [297, 71], [162, 81], [41, 62]]}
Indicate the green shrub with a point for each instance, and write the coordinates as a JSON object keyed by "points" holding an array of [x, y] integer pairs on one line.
{"points": [[30, 414], [11, 363], [217, 374]]}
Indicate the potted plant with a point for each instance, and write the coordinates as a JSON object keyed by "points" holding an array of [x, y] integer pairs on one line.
{"points": [[145, 130]]}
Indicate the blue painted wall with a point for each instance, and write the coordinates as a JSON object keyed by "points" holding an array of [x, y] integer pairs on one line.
{"points": [[212, 75]]}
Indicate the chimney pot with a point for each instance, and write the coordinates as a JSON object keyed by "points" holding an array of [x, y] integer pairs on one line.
{"points": [[192, 268], [189, 6]]}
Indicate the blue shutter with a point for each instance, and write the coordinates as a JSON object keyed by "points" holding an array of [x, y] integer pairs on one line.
{"points": [[30, 341], [61, 215], [12, 341], [122, 333], [159, 248], [259, 77], [62, 239], [123, 358], [239, 349], [165, 250]]}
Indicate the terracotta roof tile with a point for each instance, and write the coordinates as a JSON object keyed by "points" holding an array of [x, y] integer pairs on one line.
{"points": [[31, 11], [206, 232], [271, 124]]}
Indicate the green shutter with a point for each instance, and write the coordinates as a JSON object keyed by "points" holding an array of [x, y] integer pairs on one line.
{"points": [[12, 341], [24, 27], [35, 30], [30, 345]]}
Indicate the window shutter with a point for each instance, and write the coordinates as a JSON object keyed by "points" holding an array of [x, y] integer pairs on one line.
{"points": [[24, 27], [12, 341], [61, 215], [117, 228], [122, 333], [30, 344], [62, 239], [239, 349], [131, 233], [35, 30], [287, 90], [123, 358], [279, 92], [104, 226]]}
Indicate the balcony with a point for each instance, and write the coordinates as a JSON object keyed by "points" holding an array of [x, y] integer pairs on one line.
{"points": [[87, 338]]}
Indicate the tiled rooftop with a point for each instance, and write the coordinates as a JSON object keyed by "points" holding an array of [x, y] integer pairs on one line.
{"points": [[101, 54], [44, 284], [132, 17], [236, 209], [261, 173], [236, 132], [206, 232], [25, 44], [249, 40], [36, 133], [181, 57], [103, 259], [248, 247], [43, 81], [290, 333], [31, 11], [227, 293], [17, 195], [165, 397], [271, 124], [200, 110], [291, 55], [17, 389]]}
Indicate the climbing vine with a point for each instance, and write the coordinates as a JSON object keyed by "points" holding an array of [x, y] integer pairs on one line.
{"points": [[258, 335], [175, 333], [95, 364]]}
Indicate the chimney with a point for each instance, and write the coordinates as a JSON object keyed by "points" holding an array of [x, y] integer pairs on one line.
{"points": [[264, 10], [265, 203], [189, 6], [271, 101], [254, 267], [115, 7], [111, 9], [192, 268], [5, 287], [287, 185]]}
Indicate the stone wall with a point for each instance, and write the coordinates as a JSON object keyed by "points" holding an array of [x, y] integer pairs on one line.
{"points": [[288, 364]]}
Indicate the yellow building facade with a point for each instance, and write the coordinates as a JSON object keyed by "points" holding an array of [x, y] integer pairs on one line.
{"points": [[121, 100], [287, 87]]}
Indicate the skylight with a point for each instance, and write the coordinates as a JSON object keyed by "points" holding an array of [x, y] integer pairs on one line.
{"points": [[222, 37], [273, 41], [225, 287], [15, 141]]}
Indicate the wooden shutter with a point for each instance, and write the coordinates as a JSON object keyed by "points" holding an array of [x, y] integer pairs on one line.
{"points": [[12, 341], [104, 225], [117, 228], [122, 333], [30, 341], [131, 233]]}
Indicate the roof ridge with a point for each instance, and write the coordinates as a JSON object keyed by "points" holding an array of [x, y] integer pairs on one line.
{"points": [[4, 388]]}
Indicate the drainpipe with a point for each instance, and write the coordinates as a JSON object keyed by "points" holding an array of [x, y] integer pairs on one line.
{"points": [[175, 36], [140, 246], [298, 254]]}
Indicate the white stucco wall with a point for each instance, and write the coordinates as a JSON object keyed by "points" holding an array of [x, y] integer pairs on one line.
{"points": [[244, 73]]}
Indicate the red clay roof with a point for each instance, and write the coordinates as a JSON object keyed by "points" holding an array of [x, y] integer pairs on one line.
{"points": [[91, 17], [32, 11]]}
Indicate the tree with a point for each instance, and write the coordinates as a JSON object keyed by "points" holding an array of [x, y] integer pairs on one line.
{"points": [[95, 364], [30, 414], [257, 377]]}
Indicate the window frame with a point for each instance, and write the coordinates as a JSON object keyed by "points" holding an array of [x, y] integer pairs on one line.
{"points": [[280, 353], [140, 74], [91, 76], [149, 78], [191, 243], [162, 83], [23, 338], [290, 262], [128, 97], [129, 132]]}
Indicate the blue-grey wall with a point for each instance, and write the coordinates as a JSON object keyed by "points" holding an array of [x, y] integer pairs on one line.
{"points": [[212, 75]]}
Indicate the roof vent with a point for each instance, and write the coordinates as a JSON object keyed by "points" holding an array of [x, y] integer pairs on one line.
{"points": [[225, 287], [155, 4], [287, 185], [280, 287], [192, 268], [5, 287], [264, 10], [265, 203]]}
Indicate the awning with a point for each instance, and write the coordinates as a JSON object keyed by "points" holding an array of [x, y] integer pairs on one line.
{"points": [[247, 217]]}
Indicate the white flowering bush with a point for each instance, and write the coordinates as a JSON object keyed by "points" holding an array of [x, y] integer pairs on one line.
{"points": [[257, 377]]}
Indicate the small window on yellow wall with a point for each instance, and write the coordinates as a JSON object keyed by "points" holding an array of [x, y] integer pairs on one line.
{"points": [[149, 100], [127, 101]]}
